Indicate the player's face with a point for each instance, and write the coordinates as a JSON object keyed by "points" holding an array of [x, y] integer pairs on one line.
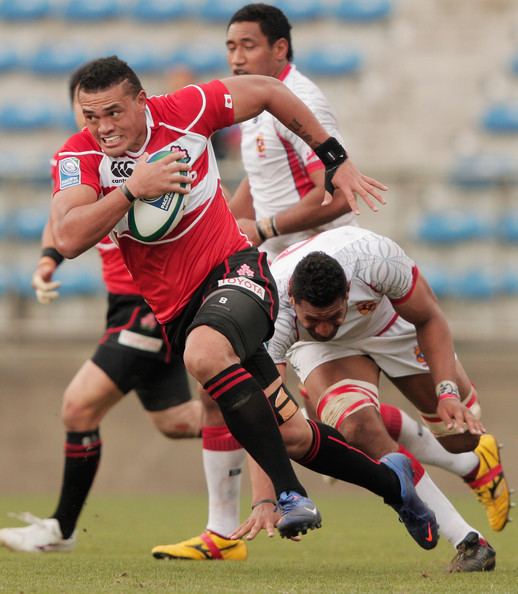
{"points": [[322, 323], [249, 51], [115, 118]]}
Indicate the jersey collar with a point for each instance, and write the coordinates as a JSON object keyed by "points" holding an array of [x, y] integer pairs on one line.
{"points": [[285, 71]]}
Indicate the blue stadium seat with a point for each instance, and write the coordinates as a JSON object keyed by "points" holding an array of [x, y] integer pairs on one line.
{"points": [[28, 223], [20, 281], [5, 280], [58, 59], [142, 59], [363, 11], [79, 279], [9, 59], [451, 227], [507, 226], [331, 61], [219, 11], [92, 10], [438, 279], [26, 116], [484, 171], [159, 10], [24, 10], [508, 282], [501, 117], [301, 10], [201, 59], [474, 283]]}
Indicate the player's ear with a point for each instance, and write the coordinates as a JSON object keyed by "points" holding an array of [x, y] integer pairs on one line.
{"points": [[141, 98], [280, 48]]}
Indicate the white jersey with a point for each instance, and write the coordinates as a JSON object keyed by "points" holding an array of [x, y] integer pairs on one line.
{"points": [[278, 163], [378, 273]]}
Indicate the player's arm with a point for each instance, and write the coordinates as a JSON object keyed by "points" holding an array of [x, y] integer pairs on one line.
{"points": [[79, 220], [45, 288], [436, 342], [241, 204], [253, 94]]}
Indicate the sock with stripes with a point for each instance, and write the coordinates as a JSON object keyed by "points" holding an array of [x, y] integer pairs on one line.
{"points": [[82, 455], [331, 455], [252, 422]]}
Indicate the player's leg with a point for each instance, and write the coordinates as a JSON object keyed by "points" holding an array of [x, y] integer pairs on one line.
{"points": [[88, 397], [229, 327]]}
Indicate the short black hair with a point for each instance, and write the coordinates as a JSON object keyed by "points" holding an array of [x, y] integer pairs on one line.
{"points": [[273, 22], [105, 73], [74, 79], [318, 279]]}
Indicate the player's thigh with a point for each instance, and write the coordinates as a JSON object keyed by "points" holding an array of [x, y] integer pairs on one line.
{"points": [[91, 393]]}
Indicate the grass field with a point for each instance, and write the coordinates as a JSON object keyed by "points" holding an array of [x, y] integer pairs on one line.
{"points": [[361, 548]]}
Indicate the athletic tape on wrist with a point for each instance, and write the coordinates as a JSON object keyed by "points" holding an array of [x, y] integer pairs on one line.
{"points": [[447, 389]]}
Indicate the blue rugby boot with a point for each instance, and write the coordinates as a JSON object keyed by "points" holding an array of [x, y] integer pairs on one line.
{"points": [[417, 517], [299, 514]]}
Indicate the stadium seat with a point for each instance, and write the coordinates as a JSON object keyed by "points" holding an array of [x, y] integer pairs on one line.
{"points": [[438, 279], [501, 118], [201, 59], [331, 61], [219, 11], [159, 10], [301, 10], [363, 11], [508, 282], [484, 171], [475, 283], [507, 226], [92, 11], [28, 223], [451, 227], [58, 59], [142, 59], [9, 59], [5, 280], [24, 10], [26, 116], [79, 280]]}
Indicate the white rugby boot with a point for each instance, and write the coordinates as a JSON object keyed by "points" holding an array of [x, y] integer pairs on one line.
{"points": [[42, 535]]}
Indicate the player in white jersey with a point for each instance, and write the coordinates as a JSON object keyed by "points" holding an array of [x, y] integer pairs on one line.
{"points": [[353, 305]]}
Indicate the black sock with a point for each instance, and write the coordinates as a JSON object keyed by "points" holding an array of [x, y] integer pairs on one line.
{"points": [[251, 421], [330, 454], [82, 455]]}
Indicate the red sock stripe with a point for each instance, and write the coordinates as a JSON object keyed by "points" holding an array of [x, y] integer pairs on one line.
{"points": [[417, 467], [392, 419], [87, 454], [349, 410], [350, 447], [243, 378], [315, 445], [79, 447], [343, 390], [211, 545], [224, 383], [487, 478], [219, 439]]}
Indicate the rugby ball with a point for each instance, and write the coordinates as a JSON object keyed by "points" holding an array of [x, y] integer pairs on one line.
{"points": [[152, 218]]}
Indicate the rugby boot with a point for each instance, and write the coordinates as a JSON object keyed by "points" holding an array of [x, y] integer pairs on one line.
{"points": [[474, 554], [417, 517], [209, 546], [42, 535], [490, 485], [298, 514]]}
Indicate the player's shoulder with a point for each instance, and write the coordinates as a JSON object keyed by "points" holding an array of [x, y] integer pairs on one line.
{"points": [[303, 86], [81, 142]]}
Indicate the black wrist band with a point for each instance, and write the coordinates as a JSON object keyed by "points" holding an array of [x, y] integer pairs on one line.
{"points": [[262, 236], [331, 153], [51, 252], [274, 227], [125, 190], [261, 501]]}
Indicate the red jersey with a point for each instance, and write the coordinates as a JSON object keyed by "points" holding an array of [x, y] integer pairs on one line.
{"points": [[167, 271]]}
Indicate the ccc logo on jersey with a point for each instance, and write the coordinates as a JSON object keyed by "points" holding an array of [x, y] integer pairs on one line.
{"points": [[122, 169], [366, 307]]}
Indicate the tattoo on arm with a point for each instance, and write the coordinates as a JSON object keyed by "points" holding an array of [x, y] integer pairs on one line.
{"points": [[297, 127]]}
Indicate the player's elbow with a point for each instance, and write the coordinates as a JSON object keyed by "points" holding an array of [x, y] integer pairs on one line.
{"points": [[67, 246]]}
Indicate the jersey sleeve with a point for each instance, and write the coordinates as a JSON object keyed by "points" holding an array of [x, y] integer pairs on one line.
{"points": [[203, 108], [285, 333], [386, 268], [74, 165]]}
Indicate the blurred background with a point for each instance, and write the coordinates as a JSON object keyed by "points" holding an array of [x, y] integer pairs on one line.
{"points": [[427, 98]]}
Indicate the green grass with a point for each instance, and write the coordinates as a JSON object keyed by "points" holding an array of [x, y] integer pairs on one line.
{"points": [[361, 548]]}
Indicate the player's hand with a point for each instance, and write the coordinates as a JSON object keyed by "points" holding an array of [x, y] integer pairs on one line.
{"points": [[263, 517], [351, 182], [248, 227], [42, 283], [457, 417], [152, 179]]}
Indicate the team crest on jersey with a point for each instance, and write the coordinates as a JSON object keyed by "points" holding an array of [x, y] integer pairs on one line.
{"points": [[69, 173], [419, 356], [260, 145], [148, 322], [245, 270], [366, 307]]}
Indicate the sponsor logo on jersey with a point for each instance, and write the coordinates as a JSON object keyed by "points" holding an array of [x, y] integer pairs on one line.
{"points": [[244, 283], [245, 270], [121, 170], [140, 342], [69, 173], [419, 356], [366, 307]]}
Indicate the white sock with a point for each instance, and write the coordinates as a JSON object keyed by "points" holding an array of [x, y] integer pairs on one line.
{"points": [[451, 524], [223, 468], [420, 442]]}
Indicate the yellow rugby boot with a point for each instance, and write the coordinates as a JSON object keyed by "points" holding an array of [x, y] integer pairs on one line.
{"points": [[490, 485], [206, 547]]}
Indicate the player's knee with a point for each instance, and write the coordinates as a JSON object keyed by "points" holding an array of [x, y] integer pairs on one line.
{"points": [[77, 416], [181, 421], [206, 358]]}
